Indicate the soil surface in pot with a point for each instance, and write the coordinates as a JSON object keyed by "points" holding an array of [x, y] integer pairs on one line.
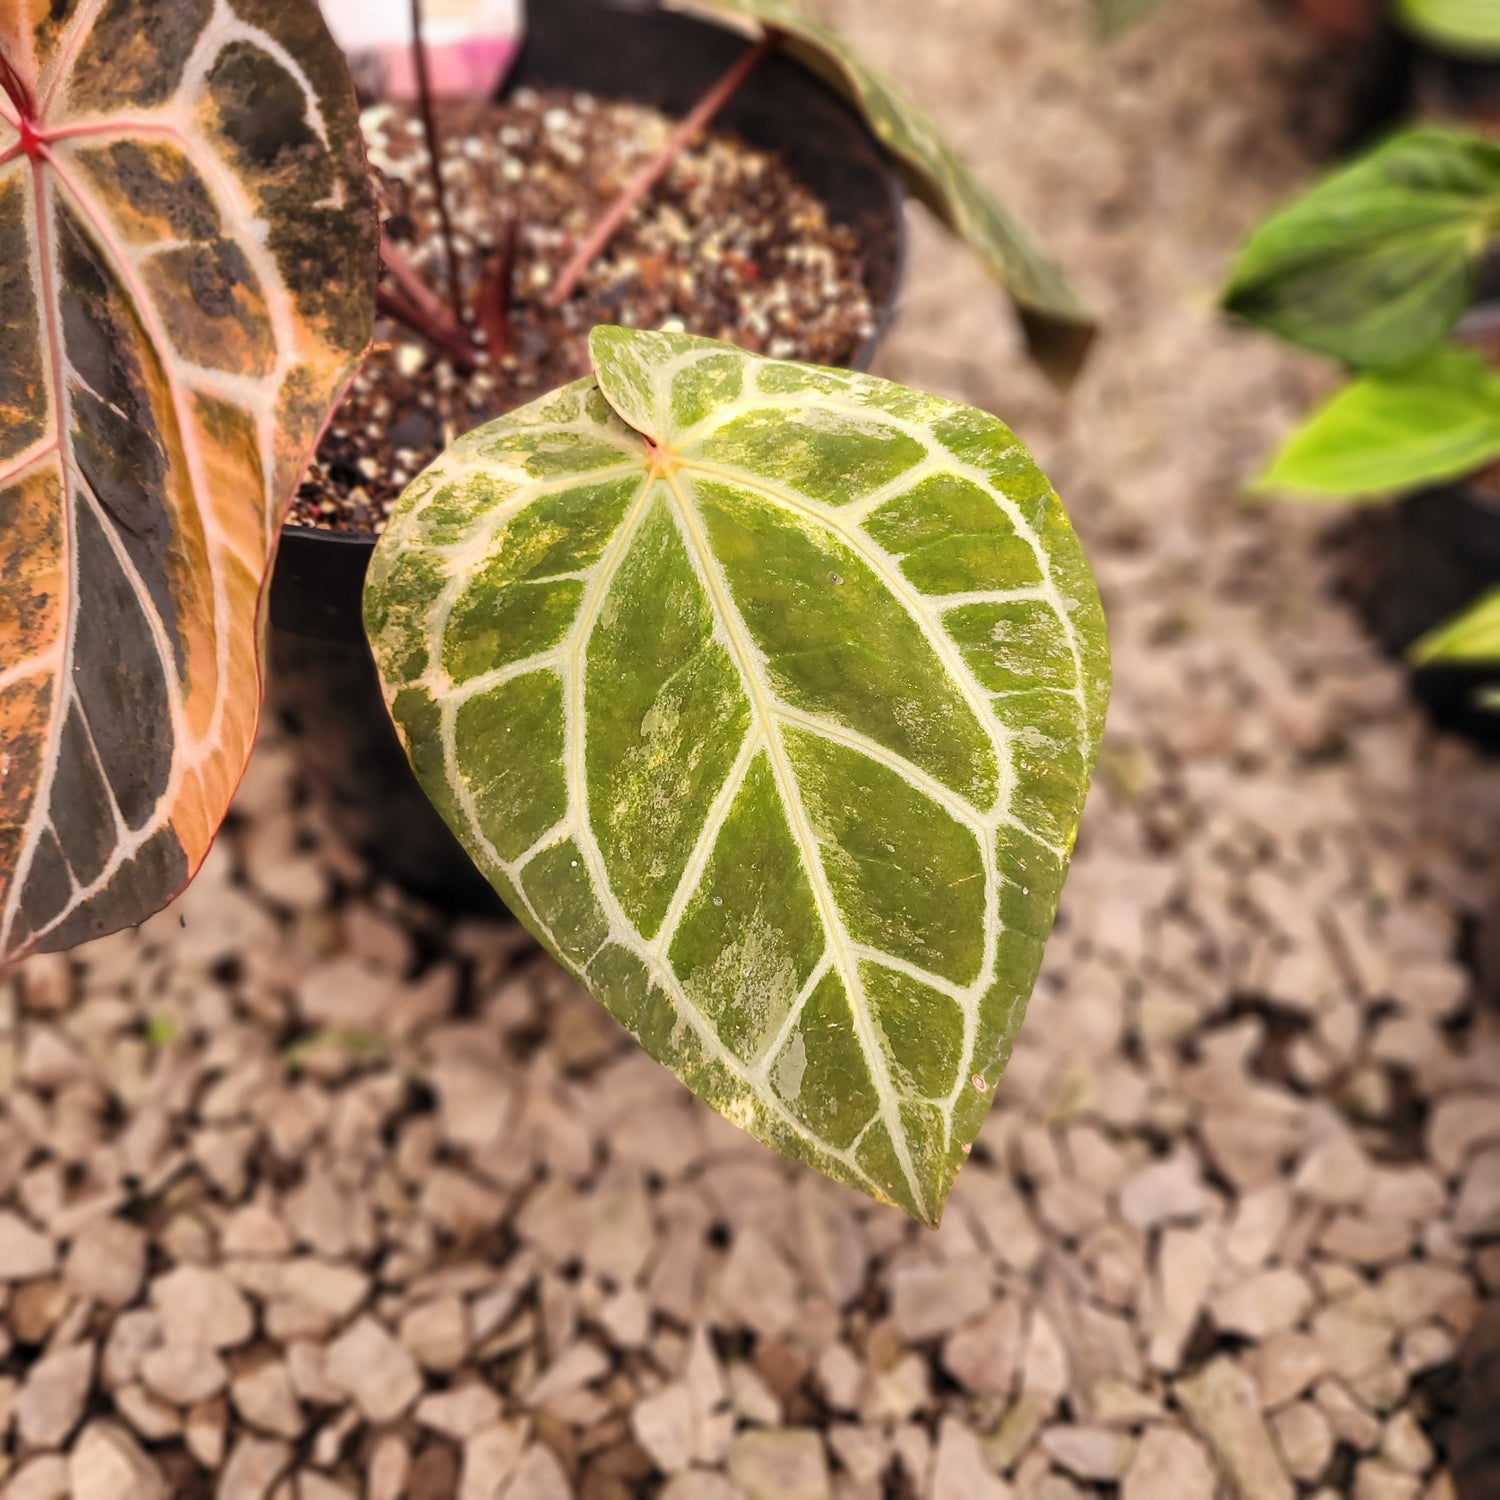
{"points": [[730, 245]]}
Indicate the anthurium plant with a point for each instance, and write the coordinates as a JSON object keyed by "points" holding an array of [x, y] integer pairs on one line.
{"points": [[765, 695], [1376, 266]]}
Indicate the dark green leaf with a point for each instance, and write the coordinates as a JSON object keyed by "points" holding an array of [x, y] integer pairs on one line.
{"points": [[1378, 263]]}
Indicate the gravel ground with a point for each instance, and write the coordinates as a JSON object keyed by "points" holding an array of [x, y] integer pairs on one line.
{"points": [[305, 1194]]}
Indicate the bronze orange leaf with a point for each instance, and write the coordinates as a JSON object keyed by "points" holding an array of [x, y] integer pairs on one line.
{"points": [[187, 258]]}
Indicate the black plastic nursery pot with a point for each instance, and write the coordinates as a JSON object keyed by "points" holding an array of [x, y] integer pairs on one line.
{"points": [[1453, 87], [1424, 559], [1418, 563], [1399, 77], [323, 681]]}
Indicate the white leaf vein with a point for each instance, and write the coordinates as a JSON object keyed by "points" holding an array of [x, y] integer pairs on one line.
{"points": [[743, 653]]}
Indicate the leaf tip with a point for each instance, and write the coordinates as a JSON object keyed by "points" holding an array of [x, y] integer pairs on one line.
{"points": [[1060, 346], [1263, 487], [606, 338]]}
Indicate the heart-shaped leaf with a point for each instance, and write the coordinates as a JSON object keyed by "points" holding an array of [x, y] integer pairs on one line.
{"points": [[1376, 264], [187, 253], [1059, 328], [766, 695], [1464, 25], [1394, 430]]}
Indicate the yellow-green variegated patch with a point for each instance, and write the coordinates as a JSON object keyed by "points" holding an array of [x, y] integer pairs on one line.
{"points": [[766, 696], [186, 272], [1058, 327]]}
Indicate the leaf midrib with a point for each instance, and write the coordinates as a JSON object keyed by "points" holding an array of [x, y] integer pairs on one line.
{"points": [[743, 653], [622, 930]]}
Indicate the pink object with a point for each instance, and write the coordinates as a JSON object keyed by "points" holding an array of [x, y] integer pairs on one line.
{"points": [[461, 70], [470, 44]]}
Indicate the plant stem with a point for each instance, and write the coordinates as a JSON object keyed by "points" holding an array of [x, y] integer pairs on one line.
{"points": [[493, 308], [434, 151], [654, 170], [421, 309], [443, 334], [409, 279]]}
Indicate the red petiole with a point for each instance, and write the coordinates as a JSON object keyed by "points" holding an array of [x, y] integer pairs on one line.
{"points": [[416, 305], [701, 114], [33, 142], [457, 343], [15, 88], [427, 303], [411, 301], [494, 295]]}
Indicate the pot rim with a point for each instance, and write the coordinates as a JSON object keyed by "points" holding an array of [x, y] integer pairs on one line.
{"points": [[863, 357]]}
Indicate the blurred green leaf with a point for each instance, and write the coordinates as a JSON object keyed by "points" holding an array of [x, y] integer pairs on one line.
{"points": [[1117, 15], [1376, 264], [1395, 430], [162, 1030], [1058, 327], [1473, 636], [1464, 25]]}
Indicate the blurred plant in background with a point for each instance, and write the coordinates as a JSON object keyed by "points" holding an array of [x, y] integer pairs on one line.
{"points": [[1381, 265], [1468, 26]]}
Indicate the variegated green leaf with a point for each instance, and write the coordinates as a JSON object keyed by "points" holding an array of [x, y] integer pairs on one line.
{"points": [[187, 253], [1059, 328], [766, 695], [1471, 638]]}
